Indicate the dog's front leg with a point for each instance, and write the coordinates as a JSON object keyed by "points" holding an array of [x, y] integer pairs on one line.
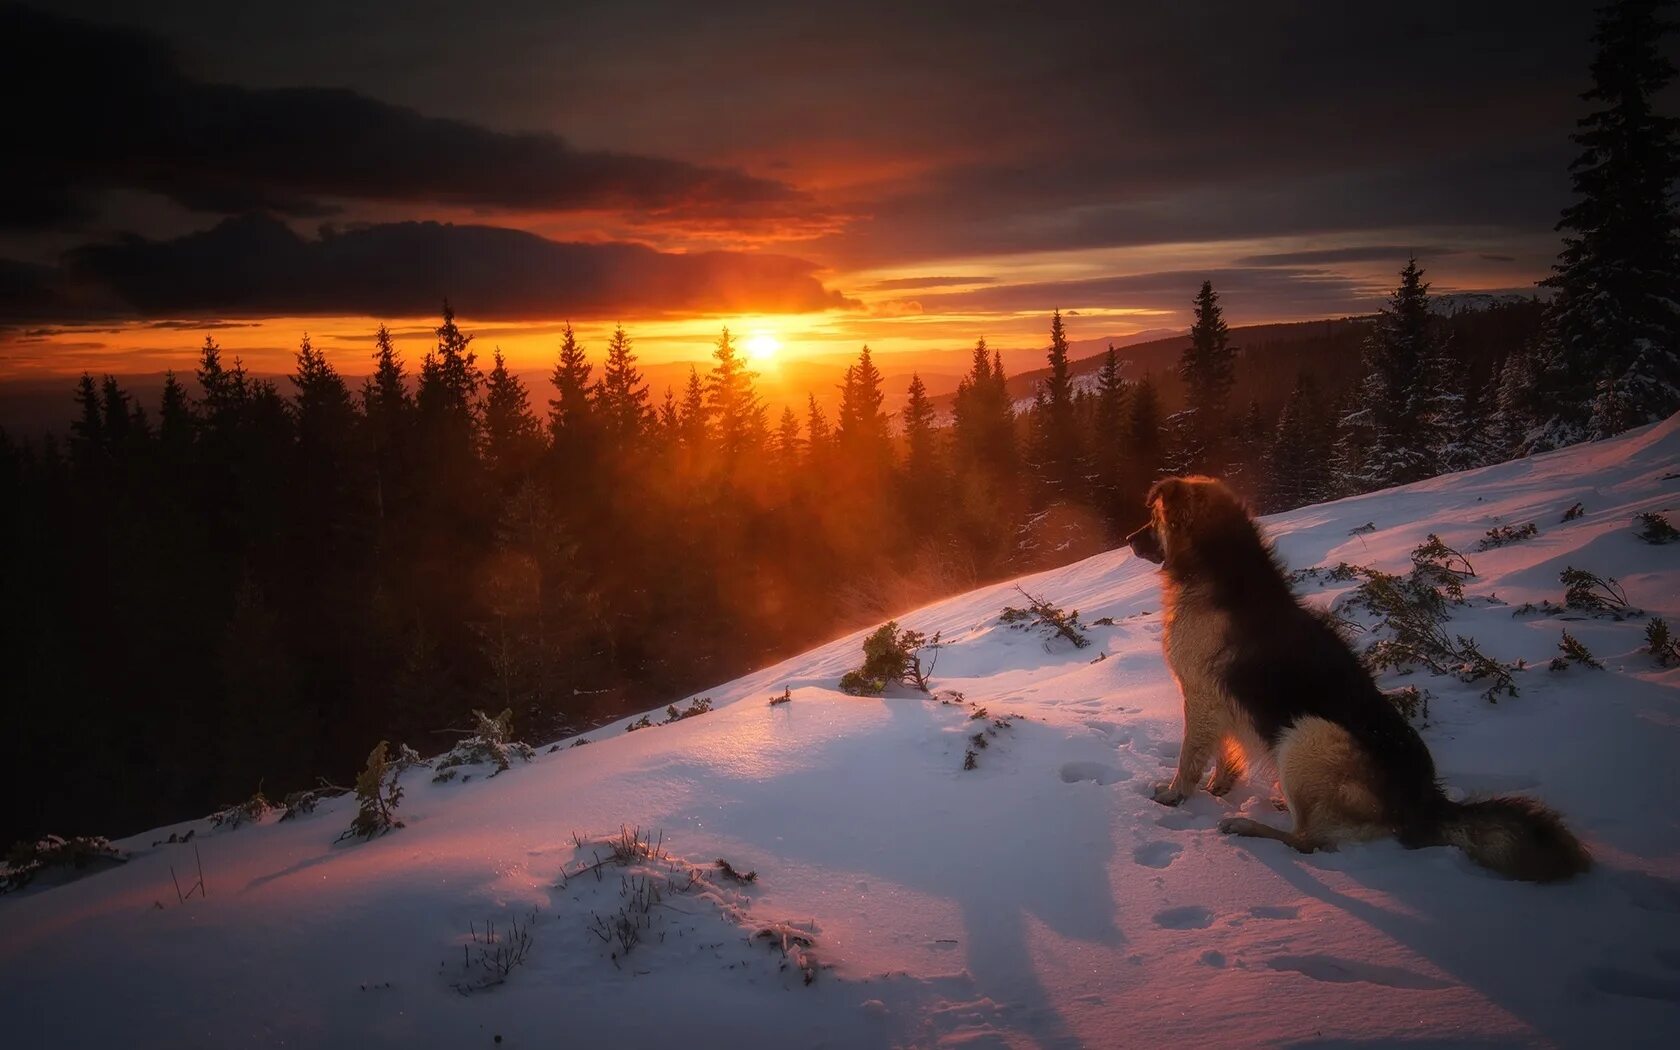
{"points": [[1201, 736]]}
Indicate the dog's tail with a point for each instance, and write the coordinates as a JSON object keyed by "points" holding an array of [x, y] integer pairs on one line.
{"points": [[1517, 837]]}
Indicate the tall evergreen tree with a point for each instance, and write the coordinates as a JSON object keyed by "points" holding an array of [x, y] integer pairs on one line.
{"points": [[788, 442], [1145, 437], [621, 398], [819, 436], [1612, 353], [863, 432], [1208, 369], [1401, 418], [919, 462], [1057, 451], [447, 398], [511, 432], [694, 414], [570, 413], [1294, 470], [734, 405]]}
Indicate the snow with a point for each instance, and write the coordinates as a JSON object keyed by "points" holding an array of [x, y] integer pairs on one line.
{"points": [[1040, 899]]}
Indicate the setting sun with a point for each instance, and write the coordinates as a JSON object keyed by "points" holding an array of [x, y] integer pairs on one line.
{"points": [[762, 347]]}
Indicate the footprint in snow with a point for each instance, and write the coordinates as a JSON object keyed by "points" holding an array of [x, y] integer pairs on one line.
{"points": [[1330, 969], [1157, 854], [1188, 917], [1074, 772]]}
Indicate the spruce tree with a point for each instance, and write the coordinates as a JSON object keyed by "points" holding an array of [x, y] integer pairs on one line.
{"points": [[733, 404], [175, 422], [1145, 454], [1612, 347], [1057, 452], [510, 430], [693, 414], [1402, 420], [1208, 370], [862, 433], [788, 441], [447, 398], [621, 398], [919, 463], [571, 417], [1293, 472], [819, 435]]}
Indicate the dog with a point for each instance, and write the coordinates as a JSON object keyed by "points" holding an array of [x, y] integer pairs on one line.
{"points": [[1264, 679]]}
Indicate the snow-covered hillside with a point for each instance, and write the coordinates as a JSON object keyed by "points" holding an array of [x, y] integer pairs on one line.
{"points": [[1038, 899]]}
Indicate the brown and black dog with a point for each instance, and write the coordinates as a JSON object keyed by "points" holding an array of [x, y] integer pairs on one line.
{"points": [[1265, 679]]}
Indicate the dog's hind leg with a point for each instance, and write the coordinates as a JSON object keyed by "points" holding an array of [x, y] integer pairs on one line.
{"points": [[1326, 783], [1228, 768], [1255, 830], [1203, 731]]}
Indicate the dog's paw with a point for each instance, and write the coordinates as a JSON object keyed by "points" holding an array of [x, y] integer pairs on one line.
{"points": [[1167, 795], [1235, 826], [1220, 788]]}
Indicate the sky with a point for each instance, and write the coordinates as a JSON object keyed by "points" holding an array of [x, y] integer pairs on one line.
{"points": [[911, 176]]}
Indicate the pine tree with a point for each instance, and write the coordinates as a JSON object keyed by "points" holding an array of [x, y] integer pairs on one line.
{"points": [[510, 430], [1057, 452], [733, 404], [1145, 455], [1612, 348], [325, 412], [175, 422], [983, 418], [1208, 369], [919, 462], [1403, 417], [788, 442], [448, 395], [571, 418], [1293, 470], [820, 437], [390, 417], [694, 415], [862, 434], [87, 433], [621, 398], [667, 417]]}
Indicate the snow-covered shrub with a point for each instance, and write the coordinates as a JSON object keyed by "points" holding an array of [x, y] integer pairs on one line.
{"points": [[1039, 613], [1505, 535], [490, 741], [697, 706], [890, 655], [299, 803], [378, 800], [786, 697], [1654, 528], [643, 722], [1575, 511], [251, 811], [1660, 643], [1597, 595], [1411, 701], [1410, 611], [25, 860], [1574, 652]]}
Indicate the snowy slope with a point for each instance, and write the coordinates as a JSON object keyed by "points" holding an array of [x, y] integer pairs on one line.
{"points": [[1040, 899]]}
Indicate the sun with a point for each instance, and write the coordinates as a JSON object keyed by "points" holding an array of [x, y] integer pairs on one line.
{"points": [[762, 347]]}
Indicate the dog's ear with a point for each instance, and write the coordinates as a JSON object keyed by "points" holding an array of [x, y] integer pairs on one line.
{"points": [[1177, 497], [1165, 492]]}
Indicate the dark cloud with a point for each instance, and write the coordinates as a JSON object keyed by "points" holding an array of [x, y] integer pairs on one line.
{"points": [[111, 108], [1247, 294], [901, 283], [1396, 254], [255, 266]]}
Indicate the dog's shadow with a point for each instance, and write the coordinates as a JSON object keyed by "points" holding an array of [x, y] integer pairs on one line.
{"points": [[1556, 949]]}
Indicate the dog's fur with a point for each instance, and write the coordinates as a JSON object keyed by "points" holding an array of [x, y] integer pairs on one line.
{"points": [[1265, 679]]}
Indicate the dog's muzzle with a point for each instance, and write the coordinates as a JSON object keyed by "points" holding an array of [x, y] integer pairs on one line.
{"points": [[1146, 544]]}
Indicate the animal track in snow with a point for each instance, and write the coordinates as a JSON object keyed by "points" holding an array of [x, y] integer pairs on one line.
{"points": [[1074, 772], [1188, 917], [1157, 854], [1348, 971]]}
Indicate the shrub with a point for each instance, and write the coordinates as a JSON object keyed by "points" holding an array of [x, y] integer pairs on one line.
{"points": [[1654, 528], [1574, 652], [786, 697], [490, 741], [1049, 618], [697, 706], [1597, 595], [1410, 701], [251, 811], [643, 722], [299, 803], [891, 655], [1660, 643], [1505, 535], [1574, 512], [26, 860], [378, 801], [492, 955]]}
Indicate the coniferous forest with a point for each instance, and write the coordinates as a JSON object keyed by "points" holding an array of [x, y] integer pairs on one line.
{"points": [[244, 584]]}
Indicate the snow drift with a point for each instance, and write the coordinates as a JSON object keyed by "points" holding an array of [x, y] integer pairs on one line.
{"points": [[1039, 898]]}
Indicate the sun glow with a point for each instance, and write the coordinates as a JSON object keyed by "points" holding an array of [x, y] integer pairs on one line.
{"points": [[762, 347]]}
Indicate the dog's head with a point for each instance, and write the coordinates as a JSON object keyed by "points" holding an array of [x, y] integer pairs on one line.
{"points": [[1184, 512]]}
